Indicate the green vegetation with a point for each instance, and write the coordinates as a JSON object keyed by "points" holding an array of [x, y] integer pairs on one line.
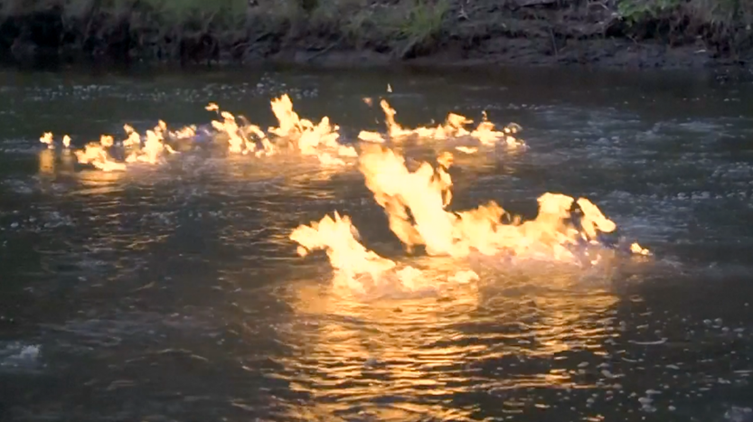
{"points": [[204, 30], [171, 29], [712, 12], [724, 23], [161, 29]]}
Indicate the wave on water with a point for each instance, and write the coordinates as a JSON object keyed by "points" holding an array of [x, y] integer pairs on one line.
{"points": [[17, 356]]}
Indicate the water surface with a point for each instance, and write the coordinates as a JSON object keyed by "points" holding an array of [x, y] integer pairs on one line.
{"points": [[173, 293]]}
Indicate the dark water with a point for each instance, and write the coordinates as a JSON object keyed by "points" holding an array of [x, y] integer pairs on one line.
{"points": [[172, 292]]}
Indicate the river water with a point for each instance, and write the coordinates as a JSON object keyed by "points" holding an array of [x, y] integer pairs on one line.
{"points": [[172, 292]]}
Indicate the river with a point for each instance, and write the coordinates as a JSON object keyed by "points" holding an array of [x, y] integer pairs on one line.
{"points": [[173, 293]]}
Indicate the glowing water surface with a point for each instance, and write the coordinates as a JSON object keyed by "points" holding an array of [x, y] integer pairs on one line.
{"points": [[173, 292]]}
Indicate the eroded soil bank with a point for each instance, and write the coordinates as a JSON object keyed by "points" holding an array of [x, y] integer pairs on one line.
{"points": [[357, 33]]}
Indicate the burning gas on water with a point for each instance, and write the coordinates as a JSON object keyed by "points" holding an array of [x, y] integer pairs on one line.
{"points": [[566, 229]]}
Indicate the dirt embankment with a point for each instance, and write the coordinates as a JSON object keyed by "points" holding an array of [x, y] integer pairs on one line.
{"points": [[611, 33]]}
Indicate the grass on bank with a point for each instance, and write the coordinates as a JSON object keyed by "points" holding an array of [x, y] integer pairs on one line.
{"points": [[406, 25], [724, 23], [172, 28], [714, 12]]}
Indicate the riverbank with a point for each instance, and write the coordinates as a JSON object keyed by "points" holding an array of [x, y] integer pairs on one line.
{"points": [[608, 33]]}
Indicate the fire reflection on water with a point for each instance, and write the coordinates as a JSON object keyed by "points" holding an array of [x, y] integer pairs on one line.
{"points": [[411, 357], [46, 162], [364, 344]]}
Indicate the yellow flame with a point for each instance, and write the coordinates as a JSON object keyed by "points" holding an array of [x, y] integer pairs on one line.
{"points": [[96, 154], [639, 250], [357, 267], [319, 140], [368, 136], [339, 238], [106, 141], [467, 150], [186, 132], [47, 140], [152, 150], [133, 140], [292, 133], [454, 126], [228, 126], [415, 203]]}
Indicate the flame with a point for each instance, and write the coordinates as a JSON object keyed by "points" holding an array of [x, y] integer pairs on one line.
{"points": [[425, 193], [152, 150], [368, 136], [106, 141], [359, 269], [186, 132], [302, 135], [47, 140], [97, 155], [237, 139], [133, 140], [416, 202], [454, 126], [292, 133], [467, 150], [639, 250], [339, 238], [564, 230], [319, 140]]}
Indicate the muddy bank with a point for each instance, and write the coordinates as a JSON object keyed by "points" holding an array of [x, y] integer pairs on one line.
{"points": [[613, 53], [442, 33]]}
